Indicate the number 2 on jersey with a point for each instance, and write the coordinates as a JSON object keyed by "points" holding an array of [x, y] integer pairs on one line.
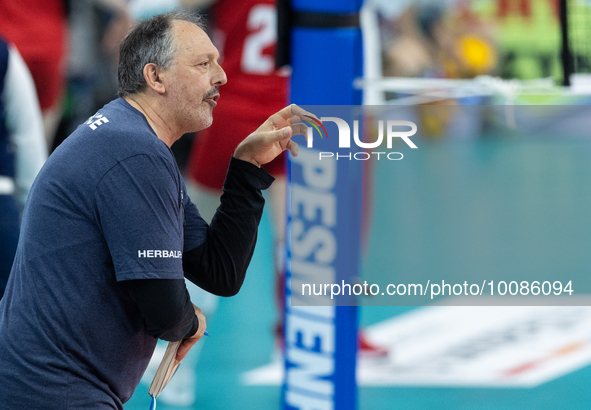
{"points": [[262, 21]]}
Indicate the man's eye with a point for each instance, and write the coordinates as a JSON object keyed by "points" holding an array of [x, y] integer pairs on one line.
{"points": [[205, 63]]}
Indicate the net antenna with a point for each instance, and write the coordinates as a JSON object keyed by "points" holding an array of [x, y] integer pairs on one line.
{"points": [[372, 53], [575, 22], [566, 55]]}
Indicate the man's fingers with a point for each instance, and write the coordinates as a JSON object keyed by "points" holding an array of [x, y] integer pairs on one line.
{"points": [[184, 348], [281, 118], [280, 135], [273, 137], [288, 132], [290, 115], [300, 112], [298, 129], [293, 147], [283, 136]]}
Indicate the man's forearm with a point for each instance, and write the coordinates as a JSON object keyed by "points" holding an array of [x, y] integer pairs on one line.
{"points": [[165, 306], [219, 264]]}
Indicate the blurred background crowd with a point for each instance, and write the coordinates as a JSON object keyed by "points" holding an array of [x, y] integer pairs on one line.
{"points": [[463, 39], [70, 47]]}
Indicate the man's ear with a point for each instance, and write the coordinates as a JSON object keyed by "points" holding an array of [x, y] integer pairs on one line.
{"points": [[152, 75]]}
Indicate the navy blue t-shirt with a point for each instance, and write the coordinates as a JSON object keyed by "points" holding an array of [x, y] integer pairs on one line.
{"points": [[108, 206]]}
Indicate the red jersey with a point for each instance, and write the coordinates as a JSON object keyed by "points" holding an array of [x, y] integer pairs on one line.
{"points": [[38, 30], [245, 33], [36, 27]]}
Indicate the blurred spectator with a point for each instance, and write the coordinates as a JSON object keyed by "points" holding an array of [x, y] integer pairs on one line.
{"points": [[528, 33], [38, 29], [442, 39], [96, 30], [22, 149], [465, 38]]}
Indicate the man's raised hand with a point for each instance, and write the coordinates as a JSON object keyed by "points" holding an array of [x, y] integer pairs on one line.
{"points": [[273, 137]]}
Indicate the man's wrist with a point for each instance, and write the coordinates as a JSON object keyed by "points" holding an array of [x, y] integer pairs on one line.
{"points": [[242, 157], [194, 328], [247, 174]]}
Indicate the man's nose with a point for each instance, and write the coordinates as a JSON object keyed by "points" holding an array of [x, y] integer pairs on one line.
{"points": [[220, 77]]}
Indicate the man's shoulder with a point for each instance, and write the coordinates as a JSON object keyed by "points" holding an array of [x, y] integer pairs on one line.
{"points": [[112, 135], [115, 116], [118, 129]]}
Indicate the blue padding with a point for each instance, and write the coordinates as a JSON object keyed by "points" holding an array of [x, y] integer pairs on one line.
{"points": [[345, 352], [327, 6], [325, 62]]}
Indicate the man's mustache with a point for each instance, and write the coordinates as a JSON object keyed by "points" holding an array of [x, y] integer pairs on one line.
{"points": [[215, 90]]}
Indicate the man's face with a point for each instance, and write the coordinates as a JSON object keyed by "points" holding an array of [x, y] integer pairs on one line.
{"points": [[193, 78]]}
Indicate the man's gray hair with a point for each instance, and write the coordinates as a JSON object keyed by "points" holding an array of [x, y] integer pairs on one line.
{"points": [[150, 41]]}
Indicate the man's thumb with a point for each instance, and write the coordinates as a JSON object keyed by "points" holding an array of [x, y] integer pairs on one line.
{"points": [[284, 133]]}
